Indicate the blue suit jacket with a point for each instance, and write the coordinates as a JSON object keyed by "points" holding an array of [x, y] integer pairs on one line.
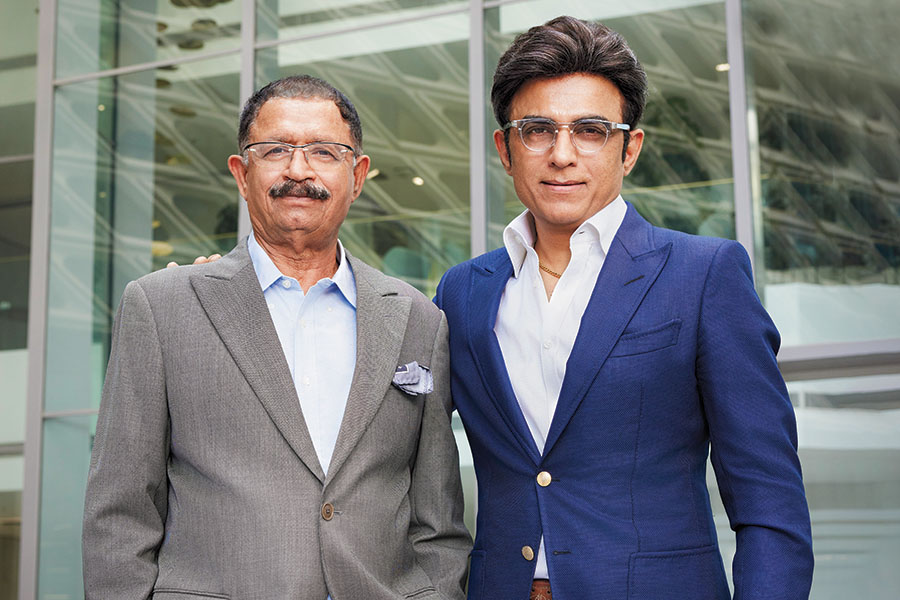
{"points": [[675, 354]]}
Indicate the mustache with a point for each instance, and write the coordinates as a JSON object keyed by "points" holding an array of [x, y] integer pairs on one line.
{"points": [[302, 189]]}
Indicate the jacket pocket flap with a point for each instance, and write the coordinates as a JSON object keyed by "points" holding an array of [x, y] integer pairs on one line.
{"points": [[176, 594], [655, 338], [678, 575]]}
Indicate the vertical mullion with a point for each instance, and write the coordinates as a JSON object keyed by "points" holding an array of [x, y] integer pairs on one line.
{"points": [[477, 158], [247, 86], [37, 299], [740, 130]]}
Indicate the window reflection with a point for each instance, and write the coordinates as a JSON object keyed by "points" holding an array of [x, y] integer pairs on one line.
{"points": [[683, 178], [93, 35], [829, 145], [410, 88], [291, 19], [140, 178]]}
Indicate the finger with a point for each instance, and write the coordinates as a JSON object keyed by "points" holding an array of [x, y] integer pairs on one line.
{"points": [[200, 260], [171, 264], [214, 257]]}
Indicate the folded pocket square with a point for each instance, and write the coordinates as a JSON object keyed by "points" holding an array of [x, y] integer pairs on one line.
{"points": [[414, 379]]}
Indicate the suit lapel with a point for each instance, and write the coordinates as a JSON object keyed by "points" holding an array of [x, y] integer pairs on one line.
{"points": [[381, 318], [488, 283], [230, 294], [630, 269]]}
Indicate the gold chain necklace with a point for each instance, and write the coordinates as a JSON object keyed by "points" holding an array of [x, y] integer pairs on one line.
{"points": [[546, 270]]}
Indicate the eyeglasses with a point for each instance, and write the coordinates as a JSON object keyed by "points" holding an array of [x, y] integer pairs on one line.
{"points": [[589, 135], [319, 155]]}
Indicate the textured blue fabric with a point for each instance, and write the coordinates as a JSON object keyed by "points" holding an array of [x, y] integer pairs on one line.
{"points": [[675, 355]]}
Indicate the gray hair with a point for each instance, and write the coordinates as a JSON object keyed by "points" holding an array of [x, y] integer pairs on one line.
{"points": [[300, 86]]}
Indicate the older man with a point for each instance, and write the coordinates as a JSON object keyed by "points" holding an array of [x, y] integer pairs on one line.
{"points": [[276, 424], [596, 359]]}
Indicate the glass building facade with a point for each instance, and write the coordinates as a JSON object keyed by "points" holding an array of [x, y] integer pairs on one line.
{"points": [[773, 122]]}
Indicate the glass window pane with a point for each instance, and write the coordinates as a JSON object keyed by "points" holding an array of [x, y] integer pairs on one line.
{"points": [[826, 85], [93, 35], [18, 35], [15, 247], [65, 461], [11, 469], [849, 446], [849, 432], [293, 19], [683, 178], [18, 57], [139, 179], [411, 91]]}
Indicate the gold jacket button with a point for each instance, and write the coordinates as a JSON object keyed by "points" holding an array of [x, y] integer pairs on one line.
{"points": [[544, 479], [327, 511], [527, 553]]}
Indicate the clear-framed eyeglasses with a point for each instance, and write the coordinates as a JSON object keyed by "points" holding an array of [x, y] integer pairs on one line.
{"points": [[319, 155], [589, 135]]}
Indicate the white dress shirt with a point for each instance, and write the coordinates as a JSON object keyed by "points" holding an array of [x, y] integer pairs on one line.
{"points": [[536, 335], [317, 331]]}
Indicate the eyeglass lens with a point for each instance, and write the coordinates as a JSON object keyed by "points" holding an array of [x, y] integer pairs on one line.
{"points": [[319, 154], [540, 135]]}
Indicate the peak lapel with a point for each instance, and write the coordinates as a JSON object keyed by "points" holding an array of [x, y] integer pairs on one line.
{"points": [[487, 288], [230, 294], [628, 272], [381, 317]]}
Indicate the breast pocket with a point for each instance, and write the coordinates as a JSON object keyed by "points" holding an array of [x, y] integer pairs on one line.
{"points": [[648, 340]]}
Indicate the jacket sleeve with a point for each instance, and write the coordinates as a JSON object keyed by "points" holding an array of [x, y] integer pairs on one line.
{"points": [[753, 435], [126, 501], [437, 532]]}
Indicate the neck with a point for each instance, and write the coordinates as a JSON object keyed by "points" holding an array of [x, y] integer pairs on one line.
{"points": [[307, 264], [552, 247]]}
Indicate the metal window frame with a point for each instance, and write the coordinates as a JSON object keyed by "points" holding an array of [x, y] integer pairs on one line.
{"points": [[37, 299], [819, 361], [477, 131]]}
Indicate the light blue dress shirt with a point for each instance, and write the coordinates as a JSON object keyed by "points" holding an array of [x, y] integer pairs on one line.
{"points": [[317, 331]]}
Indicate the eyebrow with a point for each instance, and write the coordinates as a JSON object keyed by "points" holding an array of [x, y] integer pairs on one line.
{"points": [[595, 117]]}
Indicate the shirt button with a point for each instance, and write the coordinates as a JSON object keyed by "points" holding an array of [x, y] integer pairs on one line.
{"points": [[544, 479], [327, 511], [527, 553], [306, 380], [271, 306], [303, 323], [547, 344], [285, 283], [330, 309]]}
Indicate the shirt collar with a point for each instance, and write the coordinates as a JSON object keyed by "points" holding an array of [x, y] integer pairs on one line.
{"points": [[600, 227], [267, 273]]}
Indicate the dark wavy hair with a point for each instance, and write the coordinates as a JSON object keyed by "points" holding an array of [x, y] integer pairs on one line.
{"points": [[564, 46], [299, 86]]}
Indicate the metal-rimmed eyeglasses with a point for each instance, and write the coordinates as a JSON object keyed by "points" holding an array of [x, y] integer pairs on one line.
{"points": [[319, 155], [538, 134]]}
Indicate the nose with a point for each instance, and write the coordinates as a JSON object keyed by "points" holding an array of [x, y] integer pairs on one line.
{"points": [[564, 153], [298, 167]]}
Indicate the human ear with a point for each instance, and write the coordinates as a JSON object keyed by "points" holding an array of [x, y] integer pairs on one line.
{"points": [[502, 149], [238, 169], [633, 150]]}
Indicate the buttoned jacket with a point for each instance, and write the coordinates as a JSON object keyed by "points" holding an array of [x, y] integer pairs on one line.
{"points": [[674, 359], [204, 482]]}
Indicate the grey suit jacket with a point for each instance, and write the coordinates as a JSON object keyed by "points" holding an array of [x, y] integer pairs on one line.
{"points": [[204, 482]]}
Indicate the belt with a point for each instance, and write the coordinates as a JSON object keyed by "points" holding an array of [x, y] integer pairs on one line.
{"points": [[540, 590]]}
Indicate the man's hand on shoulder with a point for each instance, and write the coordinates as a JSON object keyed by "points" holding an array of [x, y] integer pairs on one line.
{"points": [[199, 260]]}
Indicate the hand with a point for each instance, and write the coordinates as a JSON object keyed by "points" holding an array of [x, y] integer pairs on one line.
{"points": [[198, 261]]}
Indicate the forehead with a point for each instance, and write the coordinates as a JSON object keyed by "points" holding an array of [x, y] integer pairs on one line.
{"points": [[568, 98], [300, 120]]}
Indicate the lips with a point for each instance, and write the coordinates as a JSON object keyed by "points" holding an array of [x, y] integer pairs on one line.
{"points": [[562, 185]]}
